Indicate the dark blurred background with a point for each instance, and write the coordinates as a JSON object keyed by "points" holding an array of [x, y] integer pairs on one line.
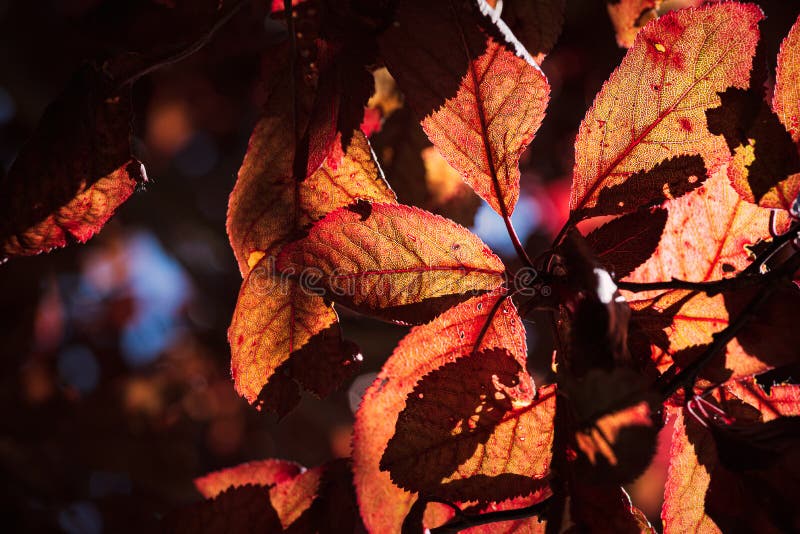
{"points": [[115, 389]]}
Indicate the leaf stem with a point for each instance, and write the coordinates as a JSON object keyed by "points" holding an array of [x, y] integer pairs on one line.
{"points": [[469, 521]]}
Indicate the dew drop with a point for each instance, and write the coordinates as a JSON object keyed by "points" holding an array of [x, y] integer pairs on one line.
{"points": [[461, 334], [412, 238], [480, 306], [420, 395]]}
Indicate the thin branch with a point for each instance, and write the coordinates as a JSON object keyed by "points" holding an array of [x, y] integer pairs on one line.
{"points": [[469, 521], [191, 49], [750, 276], [687, 375]]}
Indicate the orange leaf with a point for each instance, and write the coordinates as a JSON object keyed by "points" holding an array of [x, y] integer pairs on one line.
{"points": [[705, 239], [269, 204], [704, 494], [259, 473], [74, 172], [480, 102], [472, 430], [280, 334], [447, 338], [395, 261], [321, 500], [628, 17], [653, 107], [786, 99], [786, 104]]}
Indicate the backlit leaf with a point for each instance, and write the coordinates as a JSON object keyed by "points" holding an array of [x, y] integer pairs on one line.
{"points": [[472, 430], [240, 509], [629, 16], [447, 338], [786, 99], [706, 494], [274, 499], [704, 239], [764, 156], [479, 95], [269, 204], [282, 334], [394, 261], [258, 473], [652, 109], [74, 172], [786, 103]]}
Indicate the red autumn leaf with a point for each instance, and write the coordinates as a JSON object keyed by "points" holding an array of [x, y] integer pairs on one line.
{"points": [[479, 95], [74, 172], [786, 104], [282, 335], [447, 338], [473, 430], [258, 473], [629, 16], [648, 122], [706, 494], [268, 205], [623, 244], [786, 99], [393, 261], [705, 239]]}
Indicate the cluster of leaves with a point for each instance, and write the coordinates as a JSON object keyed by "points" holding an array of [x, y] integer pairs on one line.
{"points": [[664, 312]]}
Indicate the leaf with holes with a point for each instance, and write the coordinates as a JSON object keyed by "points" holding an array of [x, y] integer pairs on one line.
{"points": [[393, 261], [479, 95], [649, 117]]}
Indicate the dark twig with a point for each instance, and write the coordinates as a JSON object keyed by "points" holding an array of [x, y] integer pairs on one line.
{"points": [[191, 49], [750, 276], [468, 521]]}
